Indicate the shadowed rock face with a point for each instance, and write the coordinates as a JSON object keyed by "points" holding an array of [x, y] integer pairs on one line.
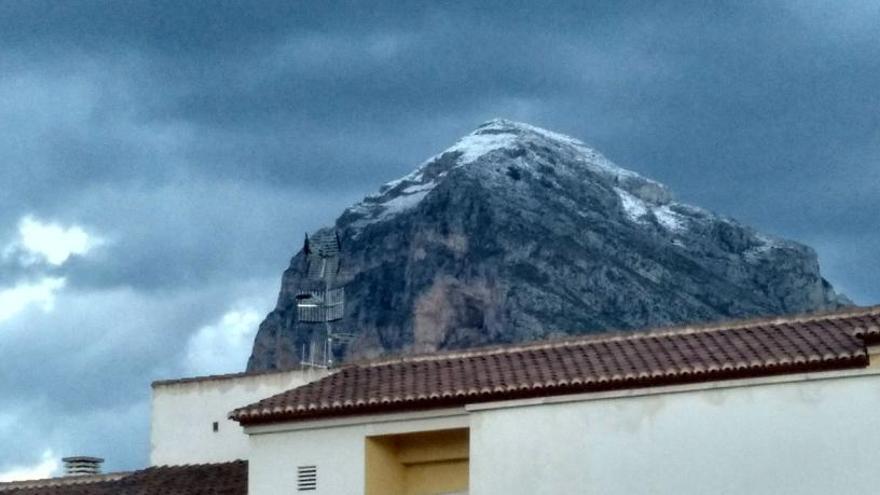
{"points": [[517, 233]]}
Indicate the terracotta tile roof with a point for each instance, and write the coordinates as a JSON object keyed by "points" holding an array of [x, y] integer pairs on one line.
{"points": [[69, 485], [204, 479], [595, 363]]}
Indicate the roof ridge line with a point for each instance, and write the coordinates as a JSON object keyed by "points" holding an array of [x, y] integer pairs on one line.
{"points": [[221, 376], [192, 464], [64, 481], [636, 335]]}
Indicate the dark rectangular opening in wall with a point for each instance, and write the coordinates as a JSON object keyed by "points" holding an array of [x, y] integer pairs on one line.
{"points": [[216, 426]]}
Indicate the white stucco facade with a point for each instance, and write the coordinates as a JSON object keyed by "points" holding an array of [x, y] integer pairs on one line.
{"points": [[806, 437], [805, 434], [184, 413], [335, 447]]}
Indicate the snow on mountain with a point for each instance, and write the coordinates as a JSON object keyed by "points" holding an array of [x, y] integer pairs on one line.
{"points": [[401, 195], [516, 233]]}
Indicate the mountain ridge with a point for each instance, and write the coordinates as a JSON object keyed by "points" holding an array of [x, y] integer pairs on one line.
{"points": [[517, 233]]}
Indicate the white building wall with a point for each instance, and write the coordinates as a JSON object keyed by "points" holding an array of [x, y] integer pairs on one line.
{"points": [[336, 447], [183, 413], [802, 438], [337, 453]]}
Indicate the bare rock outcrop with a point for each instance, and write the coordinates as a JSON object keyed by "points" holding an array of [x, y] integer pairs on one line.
{"points": [[517, 233]]}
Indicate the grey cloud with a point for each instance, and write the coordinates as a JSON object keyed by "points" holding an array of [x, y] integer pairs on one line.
{"points": [[202, 139], [195, 234], [87, 365]]}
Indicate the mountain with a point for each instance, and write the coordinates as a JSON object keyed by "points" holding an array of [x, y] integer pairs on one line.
{"points": [[517, 233]]}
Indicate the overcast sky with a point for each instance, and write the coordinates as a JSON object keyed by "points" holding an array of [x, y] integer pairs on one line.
{"points": [[160, 160]]}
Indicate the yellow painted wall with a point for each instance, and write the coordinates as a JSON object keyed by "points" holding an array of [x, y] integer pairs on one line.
{"points": [[436, 477], [385, 473], [874, 356], [426, 463], [432, 446]]}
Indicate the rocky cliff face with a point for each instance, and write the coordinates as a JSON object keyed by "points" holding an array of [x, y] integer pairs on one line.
{"points": [[516, 233]]}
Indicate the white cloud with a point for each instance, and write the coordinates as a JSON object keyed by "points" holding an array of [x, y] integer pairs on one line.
{"points": [[50, 242], [16, 299], [37, 242], [224, 346], [48, 466]]}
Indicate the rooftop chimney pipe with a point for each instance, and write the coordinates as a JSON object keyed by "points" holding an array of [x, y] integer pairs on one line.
{"points": [[82, 465]]}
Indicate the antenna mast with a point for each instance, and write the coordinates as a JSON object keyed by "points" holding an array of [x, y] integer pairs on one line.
{"points": [[321, 299]]}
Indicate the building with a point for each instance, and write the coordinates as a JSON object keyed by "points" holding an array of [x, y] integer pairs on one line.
{"points": [[195, 448], [775, 406], [188, 419]]}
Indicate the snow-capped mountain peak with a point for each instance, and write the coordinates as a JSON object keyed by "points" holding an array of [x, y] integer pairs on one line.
{"points": [[489, 147], [516, 233]]}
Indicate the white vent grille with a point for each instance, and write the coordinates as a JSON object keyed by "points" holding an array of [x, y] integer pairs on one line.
{"points": [[306, 478], [82, 465]]}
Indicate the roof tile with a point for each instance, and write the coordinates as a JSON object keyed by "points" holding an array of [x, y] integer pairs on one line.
{"points": [[592, 363], [203, 479]]}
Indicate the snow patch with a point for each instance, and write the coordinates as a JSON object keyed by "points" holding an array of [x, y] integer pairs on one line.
{"points": [[474, 146], [414, 176], [590, 157], [400, 204], [669, 219], [403, 194], [634, 207], [502, 124], [419, 188], [638, 209], [378, 212]]}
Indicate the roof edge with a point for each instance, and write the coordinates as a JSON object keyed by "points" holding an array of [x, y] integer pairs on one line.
{"points": [[220, 377], [618, 335], [63, 481], [260, 417], [60, 481]]}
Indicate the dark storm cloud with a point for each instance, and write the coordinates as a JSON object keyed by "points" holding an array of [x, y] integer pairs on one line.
{"points": [[200, 139], [86, 366], [198, 233]]}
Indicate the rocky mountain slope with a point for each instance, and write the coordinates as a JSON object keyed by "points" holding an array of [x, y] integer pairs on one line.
{"points": [[517, 233]]}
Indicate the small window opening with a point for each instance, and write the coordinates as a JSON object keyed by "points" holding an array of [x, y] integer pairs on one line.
{"points": [[306, 478], [216, 426]]}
